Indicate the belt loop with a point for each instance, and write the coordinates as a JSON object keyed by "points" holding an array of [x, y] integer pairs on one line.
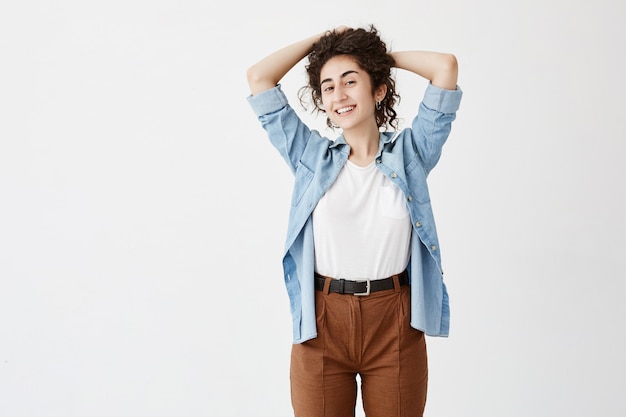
{"points": [[396, 283], [327, 281], [342, 286]]}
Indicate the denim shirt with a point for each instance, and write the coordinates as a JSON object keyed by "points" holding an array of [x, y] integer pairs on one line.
{"points": [[405, 157]]}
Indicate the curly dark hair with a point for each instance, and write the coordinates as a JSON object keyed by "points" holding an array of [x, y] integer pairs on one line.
{"points": [[370, 53]]}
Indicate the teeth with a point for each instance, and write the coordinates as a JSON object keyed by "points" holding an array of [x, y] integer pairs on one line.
{"points": [[345, 109]]}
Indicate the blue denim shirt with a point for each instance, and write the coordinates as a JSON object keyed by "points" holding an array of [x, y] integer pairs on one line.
{"points": [[405, 158]]}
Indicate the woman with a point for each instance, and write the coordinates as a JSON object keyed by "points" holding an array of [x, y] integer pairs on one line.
{"points": [[362, 265]]}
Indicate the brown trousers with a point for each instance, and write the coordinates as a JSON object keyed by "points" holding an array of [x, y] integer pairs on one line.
{"points": [[369, 336]]}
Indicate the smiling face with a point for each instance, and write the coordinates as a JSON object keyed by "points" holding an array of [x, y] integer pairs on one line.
{"points": [[347, 96]]}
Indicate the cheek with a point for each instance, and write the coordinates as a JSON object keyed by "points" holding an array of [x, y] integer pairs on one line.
{"points": [[324, 106], [323, 102]]}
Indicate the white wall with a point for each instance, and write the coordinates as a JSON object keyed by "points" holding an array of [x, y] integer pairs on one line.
{"points": [[142, 210]]}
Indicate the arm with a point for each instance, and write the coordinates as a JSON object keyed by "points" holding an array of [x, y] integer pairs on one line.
{"points": [[440, 68], [266, 73]]}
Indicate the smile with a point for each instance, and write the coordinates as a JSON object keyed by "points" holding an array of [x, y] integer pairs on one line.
{"points": [[345, 109]]}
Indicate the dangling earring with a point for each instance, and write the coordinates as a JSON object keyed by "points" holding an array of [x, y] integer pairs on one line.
{"points": [[378, 104]]}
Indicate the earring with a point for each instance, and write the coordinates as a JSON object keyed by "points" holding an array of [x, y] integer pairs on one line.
{"points": [[378, 104]]}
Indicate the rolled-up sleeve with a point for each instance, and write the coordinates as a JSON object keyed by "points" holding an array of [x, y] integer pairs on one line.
{"points": [[442, 100], [268, 101], [433, 122]]}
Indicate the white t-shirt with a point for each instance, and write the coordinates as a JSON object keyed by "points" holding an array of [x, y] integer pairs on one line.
{"points": [[361, 226]]}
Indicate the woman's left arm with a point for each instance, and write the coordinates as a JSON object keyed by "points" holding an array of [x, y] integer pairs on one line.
{"points": [[441, 69]]}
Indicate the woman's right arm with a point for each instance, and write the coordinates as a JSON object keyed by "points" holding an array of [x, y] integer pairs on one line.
{"points": [[266, 73]]}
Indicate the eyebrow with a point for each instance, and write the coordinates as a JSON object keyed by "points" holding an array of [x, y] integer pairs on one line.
{"points": [[342, 76]]}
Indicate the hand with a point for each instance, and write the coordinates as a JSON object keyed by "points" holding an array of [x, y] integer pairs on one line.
{"points": [[341, 29]]}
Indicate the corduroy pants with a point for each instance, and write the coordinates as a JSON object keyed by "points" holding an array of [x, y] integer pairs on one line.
{"points": [[365, 335]]}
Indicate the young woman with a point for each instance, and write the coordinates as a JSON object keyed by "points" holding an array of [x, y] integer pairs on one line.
{"points": [[362, 265]]}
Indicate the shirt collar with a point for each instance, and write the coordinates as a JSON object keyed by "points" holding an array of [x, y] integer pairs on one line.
{"points": [[340, 140], [385, 138]]}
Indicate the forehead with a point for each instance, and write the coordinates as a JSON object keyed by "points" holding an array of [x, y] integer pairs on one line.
{"points": [[338, 65]]}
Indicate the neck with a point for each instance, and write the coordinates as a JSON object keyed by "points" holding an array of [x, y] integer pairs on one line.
{"points": [[363, 145]]}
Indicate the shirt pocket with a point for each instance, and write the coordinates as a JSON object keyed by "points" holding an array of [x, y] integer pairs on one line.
{"points": [[303, 179], [392, 201]]}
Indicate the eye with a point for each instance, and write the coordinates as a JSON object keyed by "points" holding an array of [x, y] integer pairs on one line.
{"points": [[328, 89]]}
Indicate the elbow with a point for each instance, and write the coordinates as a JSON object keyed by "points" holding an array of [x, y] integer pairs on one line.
{"points": [[451, 64], [447, 75], [450, 67], [252, 75], [258, 80]]}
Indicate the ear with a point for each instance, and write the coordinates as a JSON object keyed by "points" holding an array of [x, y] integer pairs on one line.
{"points": [[380, 92]]}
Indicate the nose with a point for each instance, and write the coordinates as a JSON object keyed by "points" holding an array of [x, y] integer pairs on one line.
{"points": [[339, 93]]}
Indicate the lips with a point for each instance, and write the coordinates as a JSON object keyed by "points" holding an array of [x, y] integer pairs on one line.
{"points": [[345, 110]]}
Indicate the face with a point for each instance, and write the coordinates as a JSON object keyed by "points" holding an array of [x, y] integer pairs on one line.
{"points": [[347, 93]]}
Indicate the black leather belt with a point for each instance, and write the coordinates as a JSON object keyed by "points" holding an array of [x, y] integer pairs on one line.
{"points": [[365, 287]]}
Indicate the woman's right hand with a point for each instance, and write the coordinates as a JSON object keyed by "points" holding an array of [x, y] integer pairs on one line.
{"points": [[266, 73]]}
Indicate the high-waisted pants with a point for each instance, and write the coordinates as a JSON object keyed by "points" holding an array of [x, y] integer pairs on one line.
{"points": [[369, 336]]}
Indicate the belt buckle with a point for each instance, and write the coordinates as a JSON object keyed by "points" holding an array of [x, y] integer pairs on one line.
{"points": [[367, 288]]}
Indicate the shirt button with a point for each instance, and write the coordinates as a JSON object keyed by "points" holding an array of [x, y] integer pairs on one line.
{"points": [[394, 175], [433, 247], [418, 224], [409, 198], [378, 161]]}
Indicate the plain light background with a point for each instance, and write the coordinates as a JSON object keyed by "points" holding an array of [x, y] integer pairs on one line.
{"points": [[143, 211]]}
